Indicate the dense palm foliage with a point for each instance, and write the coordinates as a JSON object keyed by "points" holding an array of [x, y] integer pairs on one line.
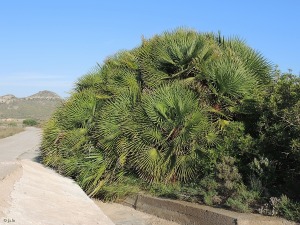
{"points": [[156, 110], [172, 135], [166, 112]]}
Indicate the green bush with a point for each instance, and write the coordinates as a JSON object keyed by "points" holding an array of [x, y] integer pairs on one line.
{"points": [[189, 115], [225, 188], [289, 209], [243, 200], [282, 206], [277, 129], [119, 190], [30, 122], [165, 190]]}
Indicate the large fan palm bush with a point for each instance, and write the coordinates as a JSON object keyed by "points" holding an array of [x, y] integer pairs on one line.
{"points": [[151, 111]]}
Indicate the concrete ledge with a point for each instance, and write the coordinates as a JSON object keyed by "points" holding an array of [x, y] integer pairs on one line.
{"points": [[192, 214], [33, 194], [10, 173]]}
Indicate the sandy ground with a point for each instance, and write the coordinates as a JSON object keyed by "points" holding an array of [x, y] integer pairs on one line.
{"points": [[31, 194]]}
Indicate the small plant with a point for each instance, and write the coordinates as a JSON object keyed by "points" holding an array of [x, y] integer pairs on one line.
{"points": [[118, 190], [237, 205], [30, 122], [209, 191], [289, 209], [282, 206], [12, 124], [242, 200], [165, 190], [225, 187]]}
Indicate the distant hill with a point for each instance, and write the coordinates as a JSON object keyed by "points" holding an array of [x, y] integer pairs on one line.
{"points": [[38, 106], [46, 95]]}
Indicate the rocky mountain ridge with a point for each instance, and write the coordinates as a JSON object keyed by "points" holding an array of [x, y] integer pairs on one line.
{"points": [[7, 98], [37, 106], [41, 95]]}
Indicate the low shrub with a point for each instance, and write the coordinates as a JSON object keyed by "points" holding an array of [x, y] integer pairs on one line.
{"points": [[283, 207], [119, 190], [30, 122], [225, 188], [289, 209]]}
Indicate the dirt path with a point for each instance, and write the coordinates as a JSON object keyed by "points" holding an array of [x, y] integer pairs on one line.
{"points": [[22, 145]]}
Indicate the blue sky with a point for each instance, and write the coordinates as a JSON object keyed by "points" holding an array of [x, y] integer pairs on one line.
{"points": [[49, 44]]}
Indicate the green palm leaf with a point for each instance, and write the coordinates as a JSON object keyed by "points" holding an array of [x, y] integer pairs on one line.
{"points": [[174, 55], [170, 122]]}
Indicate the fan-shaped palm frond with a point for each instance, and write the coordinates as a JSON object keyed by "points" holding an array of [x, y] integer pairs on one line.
{"points": [[170, 127], [114, 127], [228, 77], [174, 55], [91, 80], [78, 111], [49, 151], [235, 74], [256, 65], [120, 74], [91, 171]]}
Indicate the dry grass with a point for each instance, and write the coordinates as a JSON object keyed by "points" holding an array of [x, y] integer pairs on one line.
{"points": [[9, 131], [10, 127]]}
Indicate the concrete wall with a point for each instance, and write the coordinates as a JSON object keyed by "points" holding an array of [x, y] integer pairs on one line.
{"points": [[192, 214]]}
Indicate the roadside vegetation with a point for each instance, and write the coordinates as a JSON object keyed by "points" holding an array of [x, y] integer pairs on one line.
{"points": [[10, 128], [30, 122], [186, 115]]}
